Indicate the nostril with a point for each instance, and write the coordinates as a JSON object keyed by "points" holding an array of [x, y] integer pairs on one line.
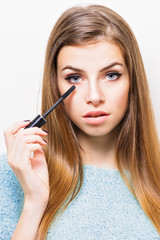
{"points": [[94, 94], [95, 100]]}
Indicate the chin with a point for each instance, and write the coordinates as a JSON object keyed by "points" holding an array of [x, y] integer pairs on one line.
{"points": [[99, 132]]}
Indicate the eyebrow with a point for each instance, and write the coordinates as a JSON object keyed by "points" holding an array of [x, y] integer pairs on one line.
{"points": [[102, 70]]}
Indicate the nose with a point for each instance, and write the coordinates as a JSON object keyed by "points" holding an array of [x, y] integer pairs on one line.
{"points": [[94, 94]]}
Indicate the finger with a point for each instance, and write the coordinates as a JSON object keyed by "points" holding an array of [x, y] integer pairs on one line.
{"points": [[21, 160], [10, 132], [31, 148], [21, 141], [22, 138], [13, 129], [34, 139], [32, 131]]}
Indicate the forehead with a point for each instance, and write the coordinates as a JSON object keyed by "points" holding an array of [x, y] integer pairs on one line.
{"points": [[98, 54]]}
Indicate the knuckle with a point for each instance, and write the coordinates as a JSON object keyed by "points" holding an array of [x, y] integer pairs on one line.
{"points": [[36, 138], [20, 132], [20, 139], [36, 128], [39, 139], [33, 129], [28, 147], [37, 146]]}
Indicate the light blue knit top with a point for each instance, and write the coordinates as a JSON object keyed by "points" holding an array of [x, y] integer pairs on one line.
{"points": [[104, 209]]}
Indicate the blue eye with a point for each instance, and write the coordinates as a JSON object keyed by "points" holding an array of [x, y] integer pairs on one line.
{"points": [[113, 75], [73, 78]]}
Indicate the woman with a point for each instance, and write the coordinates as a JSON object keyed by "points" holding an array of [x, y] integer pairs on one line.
{"points": [[102, 134]]}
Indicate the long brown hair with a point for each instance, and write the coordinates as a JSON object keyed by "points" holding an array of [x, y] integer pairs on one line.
{"points": [[138, 145]]}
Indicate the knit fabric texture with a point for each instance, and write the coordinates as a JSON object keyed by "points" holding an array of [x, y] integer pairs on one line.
{"points": [[104, 209]]}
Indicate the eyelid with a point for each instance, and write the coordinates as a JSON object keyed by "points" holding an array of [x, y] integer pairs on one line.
{"points": [[70, 76], [114, 73], [73, 75], [78, 76]]}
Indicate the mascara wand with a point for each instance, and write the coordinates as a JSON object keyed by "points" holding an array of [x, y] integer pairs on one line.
{"points": [[39, 120]]}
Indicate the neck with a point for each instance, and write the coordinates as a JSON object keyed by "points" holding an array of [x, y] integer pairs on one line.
{"points": [[99, 150]]}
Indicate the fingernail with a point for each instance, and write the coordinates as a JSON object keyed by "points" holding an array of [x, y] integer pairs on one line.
{"points": [[45, 131], [45, 141]]}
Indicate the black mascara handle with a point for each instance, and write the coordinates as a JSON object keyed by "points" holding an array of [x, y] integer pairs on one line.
{"points": [[38, 121]]}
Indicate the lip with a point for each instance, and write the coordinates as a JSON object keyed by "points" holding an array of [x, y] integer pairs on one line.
{"points": [[95, 117]]}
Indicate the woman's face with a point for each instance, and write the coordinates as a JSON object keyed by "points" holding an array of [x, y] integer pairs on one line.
{"points": [[100, 75]]}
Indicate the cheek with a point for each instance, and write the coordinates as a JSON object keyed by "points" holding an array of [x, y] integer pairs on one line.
{"points": [[120, 98], [72, 105], [72, 101]]}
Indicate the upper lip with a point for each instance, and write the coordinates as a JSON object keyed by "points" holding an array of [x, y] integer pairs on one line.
{"points": [[97, 113]]}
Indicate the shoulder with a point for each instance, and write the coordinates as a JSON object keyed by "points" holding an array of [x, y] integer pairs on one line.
{"points": [[11, 200]]}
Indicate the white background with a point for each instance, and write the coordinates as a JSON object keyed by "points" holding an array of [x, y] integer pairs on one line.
{"points": [[25, 27]]}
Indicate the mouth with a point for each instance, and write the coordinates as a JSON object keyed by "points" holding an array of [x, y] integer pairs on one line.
{"points": [[95, 114], [95, 117]]}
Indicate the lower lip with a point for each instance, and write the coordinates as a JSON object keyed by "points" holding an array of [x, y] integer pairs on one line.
{"points": [[95, 120]]}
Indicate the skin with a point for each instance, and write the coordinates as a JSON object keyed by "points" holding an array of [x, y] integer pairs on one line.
{"points": [[32, 174], [95, 90], [91, 68]]}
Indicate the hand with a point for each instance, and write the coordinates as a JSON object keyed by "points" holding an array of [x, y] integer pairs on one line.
{"points": [[27, 160]]}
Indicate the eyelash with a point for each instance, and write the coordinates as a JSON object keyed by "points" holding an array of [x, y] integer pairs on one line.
{"points": [[70, 77], [114, 74]]}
